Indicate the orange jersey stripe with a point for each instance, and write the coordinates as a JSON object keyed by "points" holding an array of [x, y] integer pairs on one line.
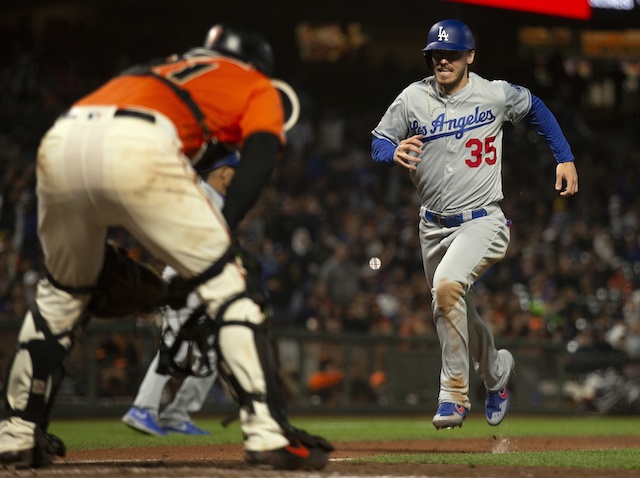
{"points": [[235, 99]]}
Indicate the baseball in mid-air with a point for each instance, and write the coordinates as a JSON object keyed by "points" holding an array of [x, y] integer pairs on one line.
{"points": [[375, 263]]}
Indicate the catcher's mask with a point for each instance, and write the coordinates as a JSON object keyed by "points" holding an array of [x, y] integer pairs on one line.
{"points": [[200, 332], [247, 46]]}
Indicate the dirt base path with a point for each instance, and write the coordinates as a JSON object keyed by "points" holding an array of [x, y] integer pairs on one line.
{"points": [[226, 461]]}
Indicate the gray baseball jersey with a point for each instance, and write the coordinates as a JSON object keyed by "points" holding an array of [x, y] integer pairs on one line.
{"points": [[460, 171], [461, 167]]}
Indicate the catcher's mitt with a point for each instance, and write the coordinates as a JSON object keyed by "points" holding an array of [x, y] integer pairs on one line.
{"points": [[126, 286]]}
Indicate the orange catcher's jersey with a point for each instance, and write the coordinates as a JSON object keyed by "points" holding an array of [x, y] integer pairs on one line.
{"points": [[235, 99]]}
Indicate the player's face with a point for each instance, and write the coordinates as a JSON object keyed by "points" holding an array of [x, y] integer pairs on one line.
{"points": [[450, 68]]}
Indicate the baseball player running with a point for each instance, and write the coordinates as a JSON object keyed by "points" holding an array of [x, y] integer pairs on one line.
{"points": [[123, 156], [446, 130], [144, 414]]}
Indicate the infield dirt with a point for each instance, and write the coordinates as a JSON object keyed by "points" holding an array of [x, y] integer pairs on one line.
{"points": [[226, 461]]}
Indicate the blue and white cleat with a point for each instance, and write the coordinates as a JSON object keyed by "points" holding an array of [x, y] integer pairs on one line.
{"points": [[143, 420], [449, 415], [186, 428], [496, 403]]}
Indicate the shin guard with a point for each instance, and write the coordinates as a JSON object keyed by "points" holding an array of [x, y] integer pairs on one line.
{"points": [[249, 363], [36, 371]]}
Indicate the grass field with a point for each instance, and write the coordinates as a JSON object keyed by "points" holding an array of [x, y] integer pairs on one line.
{"points": [[97, 434]]}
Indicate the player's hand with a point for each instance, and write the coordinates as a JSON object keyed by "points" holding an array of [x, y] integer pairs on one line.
{"points": [[402, 155], [567, 176]]}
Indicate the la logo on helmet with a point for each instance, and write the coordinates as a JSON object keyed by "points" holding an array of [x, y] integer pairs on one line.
{"points": [[443, 35]]}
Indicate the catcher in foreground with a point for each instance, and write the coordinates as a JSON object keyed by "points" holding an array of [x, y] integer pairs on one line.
{"points": [[124, 156]]}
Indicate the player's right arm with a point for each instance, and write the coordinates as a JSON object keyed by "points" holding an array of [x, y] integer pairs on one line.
{"points": [[386, 152], [391, 142]]}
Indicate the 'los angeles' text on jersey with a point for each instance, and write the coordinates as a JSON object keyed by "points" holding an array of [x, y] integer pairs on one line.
{"points": [[441, 126]]}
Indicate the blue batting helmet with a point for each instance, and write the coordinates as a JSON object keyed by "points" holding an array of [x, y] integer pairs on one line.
{"points": [[450, 35], [232, 160]]}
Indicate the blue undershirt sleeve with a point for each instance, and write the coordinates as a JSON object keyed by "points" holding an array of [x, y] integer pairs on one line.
{"points": [[546, 125], [382, 151]]}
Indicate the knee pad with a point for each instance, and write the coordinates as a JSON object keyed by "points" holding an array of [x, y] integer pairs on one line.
{"points": [[447, 294]]}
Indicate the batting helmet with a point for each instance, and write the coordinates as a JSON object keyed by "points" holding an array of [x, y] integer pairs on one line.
{"points": [[450, 35], [249, 47], [232, 160]]}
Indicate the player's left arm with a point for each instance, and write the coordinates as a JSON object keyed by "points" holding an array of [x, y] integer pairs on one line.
{"points": [[546, 125], [263, 124], [259, 154]]}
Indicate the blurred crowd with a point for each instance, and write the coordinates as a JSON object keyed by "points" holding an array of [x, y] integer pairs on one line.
{"points": [[572, 272]]}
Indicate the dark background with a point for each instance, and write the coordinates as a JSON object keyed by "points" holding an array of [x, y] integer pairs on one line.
{"points": [[102, 36], [572, 273]]}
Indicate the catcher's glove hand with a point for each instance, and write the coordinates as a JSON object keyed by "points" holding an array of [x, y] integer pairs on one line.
{"points": [[126, 286]]}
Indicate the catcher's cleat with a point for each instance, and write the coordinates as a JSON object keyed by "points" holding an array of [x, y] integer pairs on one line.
{"points": [[143, 420], [47, 448], [19, 451], [449, 415], [16, 459], [496, 404], [291, 457]]}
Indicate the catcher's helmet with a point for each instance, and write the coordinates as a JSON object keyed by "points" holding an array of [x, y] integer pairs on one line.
{"points": [[450, 35], [246, 46]]}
